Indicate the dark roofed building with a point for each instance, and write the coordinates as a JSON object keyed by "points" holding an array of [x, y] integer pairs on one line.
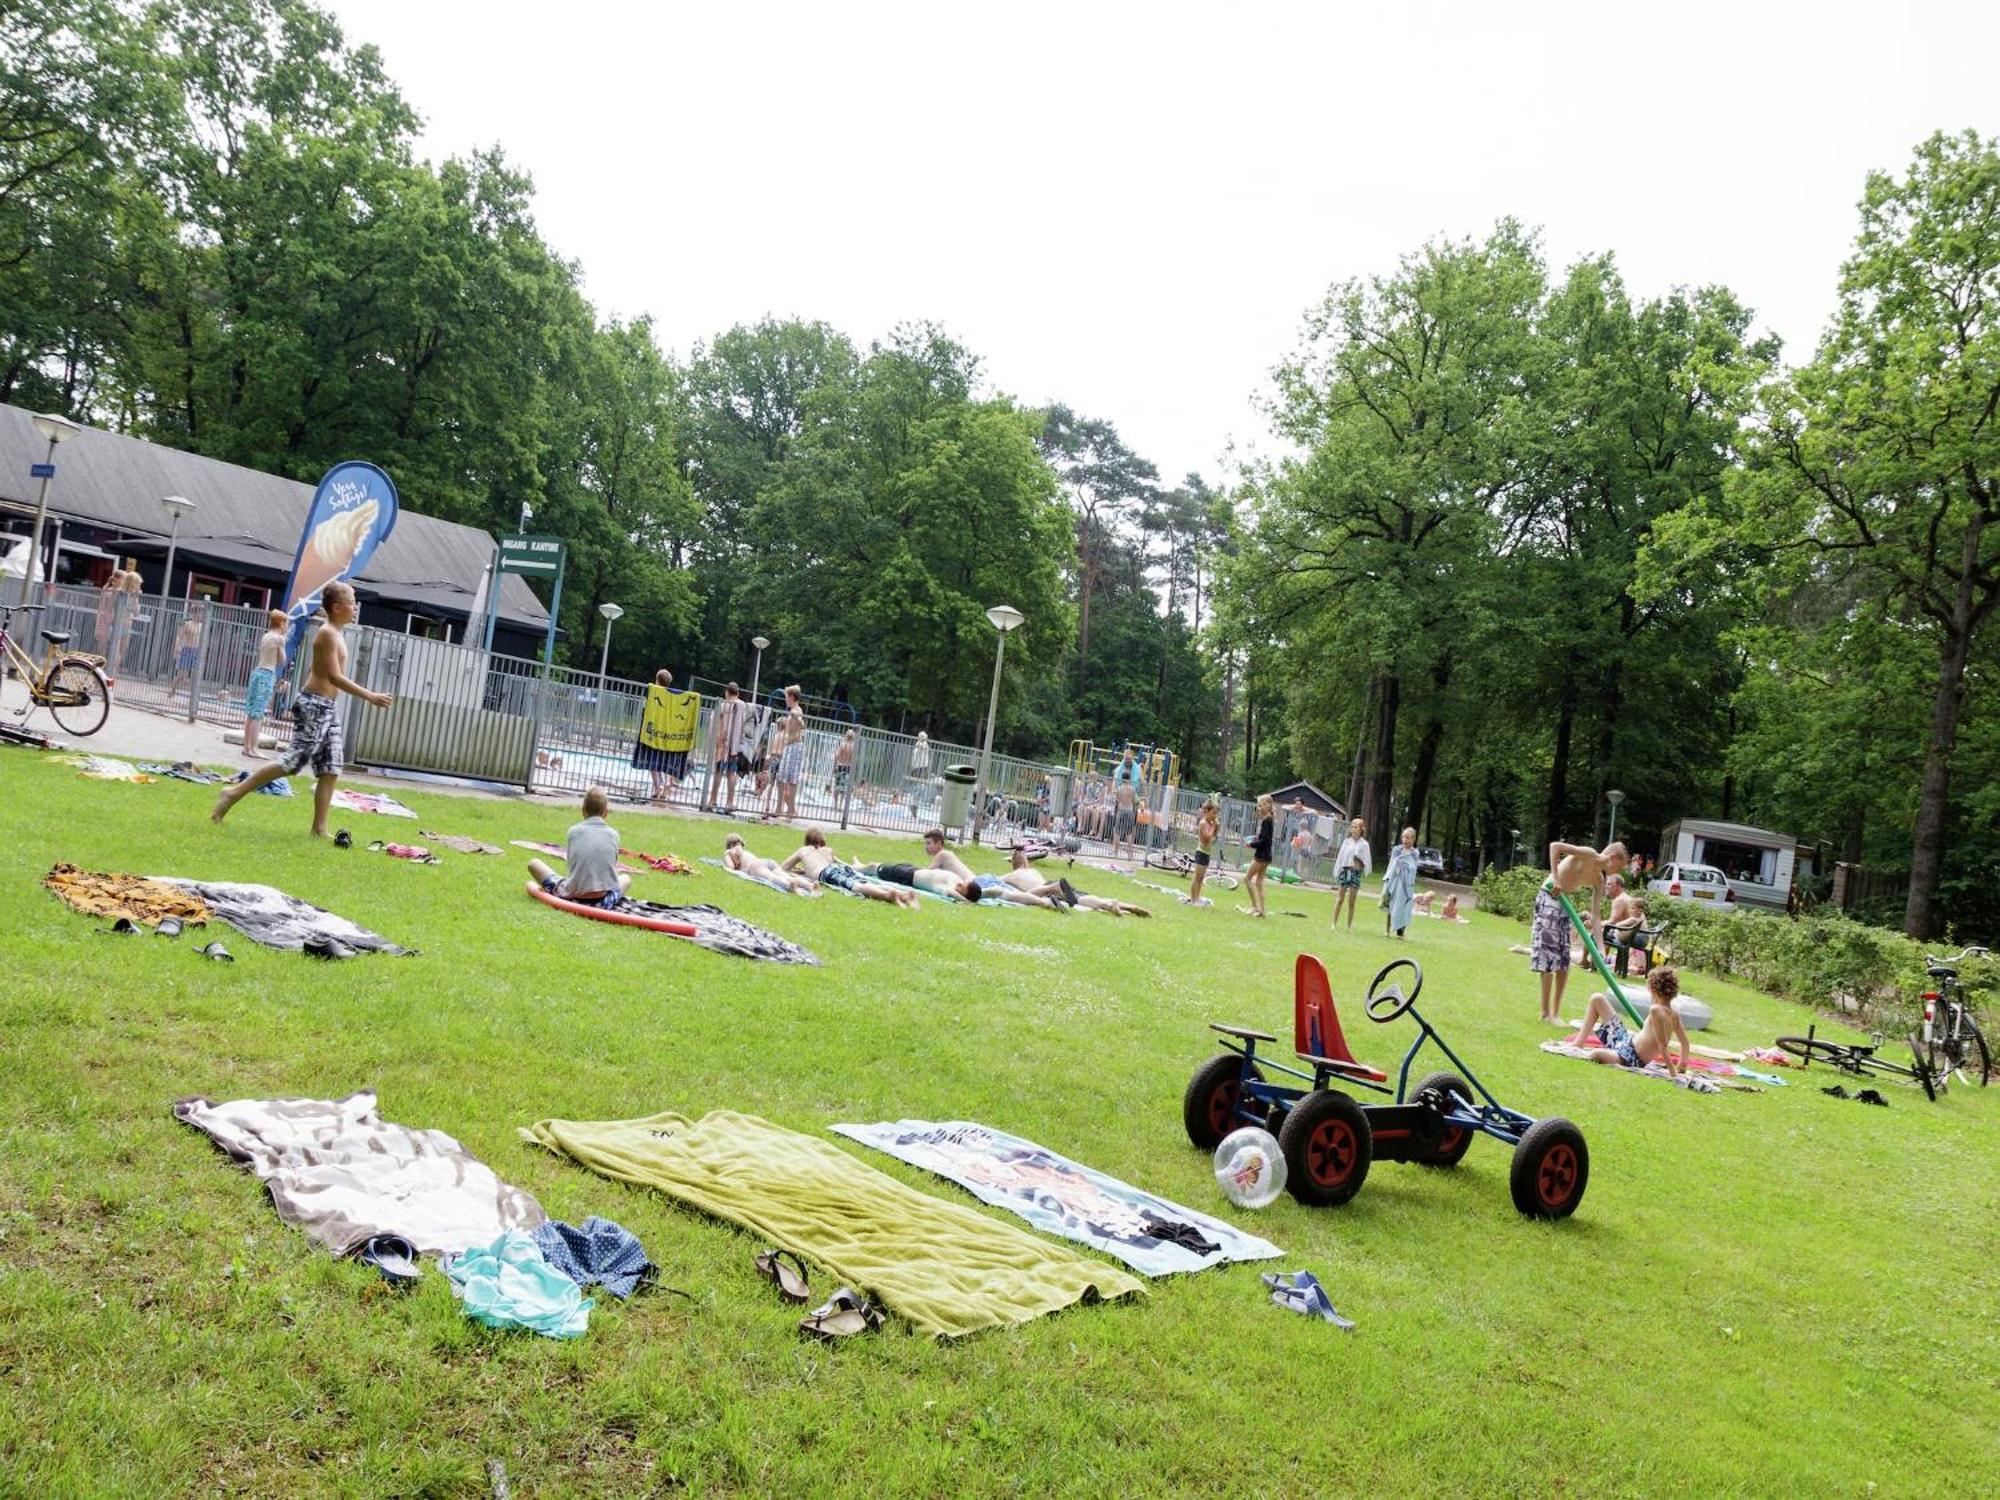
{"points": [[1311, 796], [236, 546]]}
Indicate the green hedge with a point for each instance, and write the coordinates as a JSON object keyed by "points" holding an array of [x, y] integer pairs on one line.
{"points": [[1826, 959]]}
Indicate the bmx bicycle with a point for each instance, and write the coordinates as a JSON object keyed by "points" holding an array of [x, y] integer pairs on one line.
{"points": [[69, 684]]}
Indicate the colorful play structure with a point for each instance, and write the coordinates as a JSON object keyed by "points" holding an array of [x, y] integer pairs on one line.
{"points": [[1159, 772]]}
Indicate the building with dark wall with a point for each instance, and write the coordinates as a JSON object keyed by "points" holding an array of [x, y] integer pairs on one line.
{"points": [[236, 545]]}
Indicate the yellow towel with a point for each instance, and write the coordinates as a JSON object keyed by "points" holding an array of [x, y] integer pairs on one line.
{"points": [[669, 720], [946, 1267]]}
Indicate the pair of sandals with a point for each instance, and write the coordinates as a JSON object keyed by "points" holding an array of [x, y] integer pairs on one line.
{"points": [[1300, 1292], [1866, 1096], [170, 927], [841, 1316]]}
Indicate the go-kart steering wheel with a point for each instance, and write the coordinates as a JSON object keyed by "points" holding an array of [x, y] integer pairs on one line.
{"points": [[1387, 1004]]}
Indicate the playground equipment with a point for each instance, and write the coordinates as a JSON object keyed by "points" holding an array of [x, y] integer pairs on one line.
{"points": [[1159, 778], [1328, 1139]]}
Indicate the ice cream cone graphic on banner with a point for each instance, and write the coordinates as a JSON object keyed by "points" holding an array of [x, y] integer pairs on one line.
{"points": [[353, 511]]}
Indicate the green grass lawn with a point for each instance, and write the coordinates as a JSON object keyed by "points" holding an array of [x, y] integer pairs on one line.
{"points": [[1760, 1294]]}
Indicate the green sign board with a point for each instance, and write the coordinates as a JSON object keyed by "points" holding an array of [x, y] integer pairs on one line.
{"points": [[531, 556]]}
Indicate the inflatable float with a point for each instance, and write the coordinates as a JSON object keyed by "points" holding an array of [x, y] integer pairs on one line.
{"points": [[609, 914]]}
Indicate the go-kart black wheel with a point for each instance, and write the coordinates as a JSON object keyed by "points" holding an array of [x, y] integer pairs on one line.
{"points": [[1209, 1107], [1551, 1169], [1327, 1146], [1385, 1005], [1457, 1139]]}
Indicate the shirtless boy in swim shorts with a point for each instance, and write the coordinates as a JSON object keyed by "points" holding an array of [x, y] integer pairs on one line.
{"points": [[1574, 867], [814, 860], [315, 724], [1613, 1044], [943, 858], [737, 856]]}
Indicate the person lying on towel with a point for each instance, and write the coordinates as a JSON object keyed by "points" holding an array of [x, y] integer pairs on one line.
{"points": [[937, 882], [1613, 1044], [1023, 878], [591, 854], [737, 856], [815, 861]]}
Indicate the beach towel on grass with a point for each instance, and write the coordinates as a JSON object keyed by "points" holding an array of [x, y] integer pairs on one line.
{"points": [[1694, 1083], [946, 1267], [267, 915], [343, 1174], [138, 898], [1058, 1196], [370, 802]]}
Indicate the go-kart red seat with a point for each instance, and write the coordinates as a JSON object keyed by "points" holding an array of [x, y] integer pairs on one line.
{"points": [[1316, 1033]]}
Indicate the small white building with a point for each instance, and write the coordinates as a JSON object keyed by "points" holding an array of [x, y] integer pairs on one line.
{"points": [[1759, 863]]}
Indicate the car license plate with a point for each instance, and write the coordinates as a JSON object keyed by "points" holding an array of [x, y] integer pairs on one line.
{"points": [[1704, 895]]}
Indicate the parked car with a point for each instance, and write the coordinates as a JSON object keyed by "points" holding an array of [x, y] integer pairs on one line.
{"points": [[1430, 862], [1693, 883]]}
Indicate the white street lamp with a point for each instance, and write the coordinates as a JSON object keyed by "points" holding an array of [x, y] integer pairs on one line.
{"points": [[57, 430], [1005, 618], [757, 664], [175, 506], [1614, 797], [612, 614]]}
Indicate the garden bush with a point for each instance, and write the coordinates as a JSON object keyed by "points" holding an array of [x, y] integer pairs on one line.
{"points": [[1826, 959]]}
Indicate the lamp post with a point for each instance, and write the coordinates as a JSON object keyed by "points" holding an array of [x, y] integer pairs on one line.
{"points": [[1005, 618], [175, 506], [756, 665], [57, 430], [1513, 847], [612, 614], [1614, 797]]}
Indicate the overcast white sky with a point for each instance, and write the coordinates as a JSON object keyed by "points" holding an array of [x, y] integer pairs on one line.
{"points": [[1128, 207]]}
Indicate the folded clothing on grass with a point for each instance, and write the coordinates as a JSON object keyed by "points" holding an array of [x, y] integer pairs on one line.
{"points": [[106, 768], [948, 1268], [340, 1172], [459, 843], [1693, 1082], [139, 898], [1152, 1235], [270, 917], [596, 1252]]}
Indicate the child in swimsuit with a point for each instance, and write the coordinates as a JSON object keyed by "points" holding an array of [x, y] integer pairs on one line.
{"points": [[1613, 1044]]}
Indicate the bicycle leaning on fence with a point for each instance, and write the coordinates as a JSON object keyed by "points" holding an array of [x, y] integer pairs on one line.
{"points": [[1953, 1044], [69, 684]]}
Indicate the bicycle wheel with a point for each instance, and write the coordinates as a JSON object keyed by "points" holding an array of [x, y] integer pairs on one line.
{"points": [[1817, 1049], [1969, 1057], [1225, 882], [78, 697]]}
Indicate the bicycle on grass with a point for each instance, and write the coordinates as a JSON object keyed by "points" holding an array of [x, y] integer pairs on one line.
{"points": [[69, 684], [1952, 1041], [1179, 862], [1861, 1061]]}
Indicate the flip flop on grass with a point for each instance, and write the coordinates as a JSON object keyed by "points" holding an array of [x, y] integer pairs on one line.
{"points": [[785, 1271], [843, 1315]]}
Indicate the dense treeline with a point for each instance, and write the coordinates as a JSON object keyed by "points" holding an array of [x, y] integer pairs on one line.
{"points": [[1532, 538]]}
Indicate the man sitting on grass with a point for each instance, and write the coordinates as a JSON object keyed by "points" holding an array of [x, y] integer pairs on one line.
{"points": [[814, 860], [591, 853], [1611, 1043], [737, 856]]}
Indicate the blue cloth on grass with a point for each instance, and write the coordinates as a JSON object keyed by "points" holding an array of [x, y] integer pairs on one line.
{"points": [[508, 1284], [597, 1250]]}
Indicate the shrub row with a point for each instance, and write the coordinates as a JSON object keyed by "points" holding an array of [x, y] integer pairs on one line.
{"points": [[1826, 959]]}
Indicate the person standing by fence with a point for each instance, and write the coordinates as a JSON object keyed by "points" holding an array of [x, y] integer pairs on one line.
{"points": [[666, 734], [187, 649], [791, 752], [726, 757], [263, 684]]}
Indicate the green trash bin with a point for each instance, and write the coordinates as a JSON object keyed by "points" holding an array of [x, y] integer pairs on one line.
{"points": [[957, 801]]}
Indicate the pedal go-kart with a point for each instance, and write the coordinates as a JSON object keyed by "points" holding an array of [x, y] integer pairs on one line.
{"points": [[1329, 1139]]}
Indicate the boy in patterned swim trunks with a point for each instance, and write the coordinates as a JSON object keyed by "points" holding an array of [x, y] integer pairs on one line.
{"points": [[315, 723], [1614, 1045], [1574, 868]]}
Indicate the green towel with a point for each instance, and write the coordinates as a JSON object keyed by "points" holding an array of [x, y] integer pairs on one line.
{"points": [[949, 1269]]}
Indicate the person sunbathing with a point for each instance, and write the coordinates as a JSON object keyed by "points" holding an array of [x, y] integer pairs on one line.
{"points": [[995, 888], [1613, 1044], [737, 856], [937, 882], [1023, 878], [817, 862]]}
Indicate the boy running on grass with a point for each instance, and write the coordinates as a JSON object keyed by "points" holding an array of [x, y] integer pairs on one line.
{"points": [[590, 850], [1614, 1045], [315, 722]]}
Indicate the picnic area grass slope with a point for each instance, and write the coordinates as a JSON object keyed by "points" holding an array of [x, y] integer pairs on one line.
{"points": [[1772, 1293]]}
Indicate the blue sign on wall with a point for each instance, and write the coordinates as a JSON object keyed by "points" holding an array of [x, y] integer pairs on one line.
{"points": [[41, 471]]}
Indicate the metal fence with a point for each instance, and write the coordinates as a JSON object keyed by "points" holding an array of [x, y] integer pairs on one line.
{"points": [[465, 712]]}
